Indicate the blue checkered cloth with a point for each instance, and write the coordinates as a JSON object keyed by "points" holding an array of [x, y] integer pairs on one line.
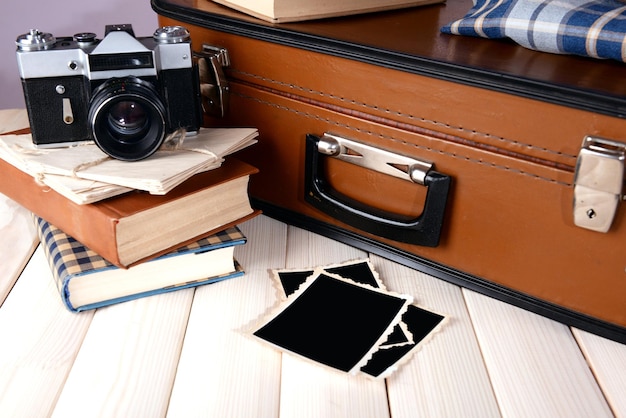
{"points": [[589, 28]]}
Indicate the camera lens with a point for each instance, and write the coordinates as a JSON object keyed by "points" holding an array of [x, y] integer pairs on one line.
{"points": [[127, 118]]}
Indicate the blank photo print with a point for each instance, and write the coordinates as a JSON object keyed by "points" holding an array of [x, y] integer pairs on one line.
{"points": [[342, 316], [359, 271], [334, 321], [421, 324]]}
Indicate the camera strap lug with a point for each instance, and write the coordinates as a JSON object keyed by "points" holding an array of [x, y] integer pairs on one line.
{"points": [[213, 84]]}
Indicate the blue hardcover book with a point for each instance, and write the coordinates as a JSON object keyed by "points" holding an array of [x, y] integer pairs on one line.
{"points": [[86, 281]]}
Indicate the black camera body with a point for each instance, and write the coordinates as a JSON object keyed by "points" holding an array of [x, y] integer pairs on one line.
{"points": [[123, 92]]}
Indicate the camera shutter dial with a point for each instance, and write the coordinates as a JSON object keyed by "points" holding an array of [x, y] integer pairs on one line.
{"points": [[171, 35], [35, 40]]}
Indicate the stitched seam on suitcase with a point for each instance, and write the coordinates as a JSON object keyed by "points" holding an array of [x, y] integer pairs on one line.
{"points": [[405, 115], [387, 137], [414, 128]]}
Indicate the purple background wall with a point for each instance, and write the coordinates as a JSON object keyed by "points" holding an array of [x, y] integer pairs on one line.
{"points": [[61, 18]]}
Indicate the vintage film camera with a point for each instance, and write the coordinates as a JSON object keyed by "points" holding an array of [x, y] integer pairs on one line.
{"points": [[126, 93]]}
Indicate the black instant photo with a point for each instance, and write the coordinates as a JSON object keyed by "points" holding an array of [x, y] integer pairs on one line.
{"points": [[359, 271], [333, 321], [420, 323]]}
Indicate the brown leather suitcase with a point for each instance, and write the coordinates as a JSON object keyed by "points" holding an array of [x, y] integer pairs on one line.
{"points": [[481, 162]]}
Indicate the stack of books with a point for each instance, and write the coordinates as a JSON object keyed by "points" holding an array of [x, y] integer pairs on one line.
{"points": [[133, 243]]}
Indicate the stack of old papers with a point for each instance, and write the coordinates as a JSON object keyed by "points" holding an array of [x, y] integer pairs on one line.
{"points": [[85, 174], [343, 317]]}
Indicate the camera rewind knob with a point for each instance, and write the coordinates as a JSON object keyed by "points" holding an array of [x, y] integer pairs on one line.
{"points": [[85, 37], [35, 40]]}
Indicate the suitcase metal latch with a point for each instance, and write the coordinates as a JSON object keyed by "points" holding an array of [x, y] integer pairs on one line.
{"points": [[598, 183], [213, 84]]}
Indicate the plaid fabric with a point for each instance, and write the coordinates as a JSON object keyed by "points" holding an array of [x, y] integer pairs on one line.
{"points": [[589, 28], [66, 255]]}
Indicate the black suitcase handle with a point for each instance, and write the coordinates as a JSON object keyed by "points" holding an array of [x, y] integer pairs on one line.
{"points": [[424, 230]]}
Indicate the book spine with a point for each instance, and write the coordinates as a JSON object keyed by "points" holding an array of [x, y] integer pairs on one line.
{"points": [[47, 239]]}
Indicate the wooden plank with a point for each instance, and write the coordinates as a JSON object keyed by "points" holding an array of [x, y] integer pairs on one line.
{"points": [[19, 237], [13, 119], [19, 240], [127, 363], [608, 363], [222, 371], [535, 365], [447, 376], [308, 389], [40, 340]]}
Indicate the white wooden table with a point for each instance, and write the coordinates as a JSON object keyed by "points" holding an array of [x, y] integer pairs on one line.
{"points": [[183, 354]]}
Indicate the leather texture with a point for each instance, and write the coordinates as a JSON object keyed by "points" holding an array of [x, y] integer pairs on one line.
{"points": [[511, 158], [97, 225]]}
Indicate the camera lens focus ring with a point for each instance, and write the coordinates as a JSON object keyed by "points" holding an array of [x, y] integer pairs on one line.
{"points": [[127, 118]]}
